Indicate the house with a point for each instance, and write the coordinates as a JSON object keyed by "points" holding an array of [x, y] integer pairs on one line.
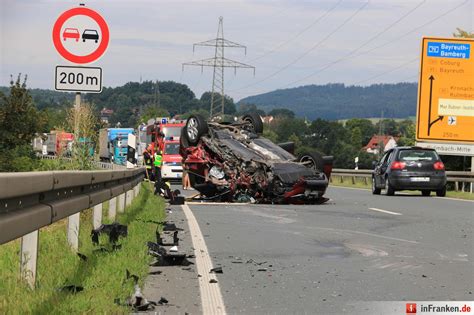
{"points": [[387, 142], [105, 115]]}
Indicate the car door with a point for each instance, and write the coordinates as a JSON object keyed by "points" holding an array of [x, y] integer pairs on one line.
{"points": [[380, 169]]}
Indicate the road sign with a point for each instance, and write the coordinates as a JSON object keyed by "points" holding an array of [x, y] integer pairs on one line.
{"points": [[78, 79], [445, 110], [449, 148], [81, 35]]}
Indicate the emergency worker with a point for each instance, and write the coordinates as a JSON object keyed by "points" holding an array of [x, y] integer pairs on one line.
{"points": [[158, 161], [148, 160]]}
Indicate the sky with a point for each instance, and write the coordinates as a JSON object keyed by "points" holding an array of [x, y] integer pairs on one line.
{"points": [[290, 42]]}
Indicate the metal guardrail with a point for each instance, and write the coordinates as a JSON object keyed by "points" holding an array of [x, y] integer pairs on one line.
{"points": [[452, 176], [32, 200]]}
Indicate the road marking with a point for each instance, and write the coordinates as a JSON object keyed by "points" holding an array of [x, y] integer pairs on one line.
{"points": [[211, 297], [207, 203], [385, 211], [454, 199], [354, 188]]}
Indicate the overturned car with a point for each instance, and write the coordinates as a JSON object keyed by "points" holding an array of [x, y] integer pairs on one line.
{"points": [[232, 162]]}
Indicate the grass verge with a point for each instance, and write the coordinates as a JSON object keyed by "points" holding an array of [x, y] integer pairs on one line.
{"points": [[360, 183], [102, 275]]}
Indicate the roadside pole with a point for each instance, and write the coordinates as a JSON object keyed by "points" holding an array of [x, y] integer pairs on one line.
{"points": [[472, 171], [73, 220]]}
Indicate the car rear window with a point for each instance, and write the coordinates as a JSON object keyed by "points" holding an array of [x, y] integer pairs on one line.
{"points": [[417, 155]]}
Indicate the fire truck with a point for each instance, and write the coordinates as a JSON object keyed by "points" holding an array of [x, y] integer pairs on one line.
{"points": [[163, 135]]}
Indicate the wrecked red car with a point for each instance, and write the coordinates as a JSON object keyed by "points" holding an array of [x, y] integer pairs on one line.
{"points": [[231, 162]]}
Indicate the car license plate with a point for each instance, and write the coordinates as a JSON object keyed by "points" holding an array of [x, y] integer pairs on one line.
{"points": [[419, 179]]}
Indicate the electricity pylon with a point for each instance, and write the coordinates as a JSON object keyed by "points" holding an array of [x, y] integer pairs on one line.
{"points": [[219, 62]]}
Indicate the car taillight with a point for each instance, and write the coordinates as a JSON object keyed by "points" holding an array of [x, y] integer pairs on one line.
{"points": [[439, 166], [397, 165]]}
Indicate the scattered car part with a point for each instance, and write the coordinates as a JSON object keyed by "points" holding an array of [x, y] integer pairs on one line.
{"points": [[114, 230]]}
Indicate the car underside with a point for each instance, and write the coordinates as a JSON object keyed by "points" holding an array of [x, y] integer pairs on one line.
{"points": [[232, 163]]}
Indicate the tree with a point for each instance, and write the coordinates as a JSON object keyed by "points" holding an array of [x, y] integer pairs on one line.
{"points": [[462, 33], [19, 122], [229, 106], [153, 112], [282, 112], [249, 108], [365, 126]]}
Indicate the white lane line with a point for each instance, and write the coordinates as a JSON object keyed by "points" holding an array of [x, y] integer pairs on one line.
{"points": [[385, 211], [353, 188], [454, 199], [211, 297]]}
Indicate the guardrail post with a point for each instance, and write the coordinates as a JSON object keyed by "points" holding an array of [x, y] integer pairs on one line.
{"points": [[353, 180], [365, 181], [342, 179], [121, 202], [97, 216], [112, 208], [456, 186], [129, 197], [29, 257], [73, 231]]}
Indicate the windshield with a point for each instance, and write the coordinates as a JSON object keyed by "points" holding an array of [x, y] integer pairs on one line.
{"points": [[172, 148], [417, 155], [172, 131]]}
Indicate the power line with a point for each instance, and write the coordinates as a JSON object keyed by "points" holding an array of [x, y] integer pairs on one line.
{"points": [[316, 21], [386, 72], [352, 55], [309, 50], [219, 63]]}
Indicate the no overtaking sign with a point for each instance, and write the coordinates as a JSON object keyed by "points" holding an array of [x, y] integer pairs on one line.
{"points": [[81, 36]]}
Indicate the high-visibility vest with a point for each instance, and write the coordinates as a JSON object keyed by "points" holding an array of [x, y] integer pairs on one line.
{"points": [[158, 160]]}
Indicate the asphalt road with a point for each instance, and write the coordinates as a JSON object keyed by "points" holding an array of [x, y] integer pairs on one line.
{"points": [[328, 258]]}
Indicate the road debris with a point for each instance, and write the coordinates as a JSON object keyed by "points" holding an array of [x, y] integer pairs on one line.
{"points": [[216, 270], [71, 289], [114, 231]]}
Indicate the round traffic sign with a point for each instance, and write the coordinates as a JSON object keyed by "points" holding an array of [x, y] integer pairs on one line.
{"points": [[81, 35]]}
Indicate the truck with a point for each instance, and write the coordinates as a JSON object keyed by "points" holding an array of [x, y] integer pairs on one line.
{"points": [[59, 143], [163, 134], [172, 161], [113, 144]]}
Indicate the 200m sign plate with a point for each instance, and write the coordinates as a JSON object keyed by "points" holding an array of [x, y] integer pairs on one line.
{"points": [[78, 79]]}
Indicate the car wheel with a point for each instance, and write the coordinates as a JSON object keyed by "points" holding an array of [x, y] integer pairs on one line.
{"points": [[425, 192], [441, 192], [196, 126], [84, 40], [375, 190], [389, 191], [96, 41], [255, 121], [312, 160]]}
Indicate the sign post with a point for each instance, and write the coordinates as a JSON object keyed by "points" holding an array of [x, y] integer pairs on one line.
{"points": [[80, 36], [445, 112]]}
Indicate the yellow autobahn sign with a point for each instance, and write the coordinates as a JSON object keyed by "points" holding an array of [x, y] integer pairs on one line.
{"points": [[446, 91]]}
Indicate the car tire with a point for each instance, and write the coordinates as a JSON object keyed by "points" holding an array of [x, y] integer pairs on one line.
{"points": [[389, 191], [255, 121], [426, 192], [312, 160], [441, 192], [196, 126], [375, 190]]}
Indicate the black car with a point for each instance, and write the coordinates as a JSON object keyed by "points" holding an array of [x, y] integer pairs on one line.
{"points": [[90, 34], [410, 168]]}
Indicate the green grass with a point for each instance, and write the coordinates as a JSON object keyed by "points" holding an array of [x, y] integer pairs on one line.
{"points": [[360, 183], [102, 275]]}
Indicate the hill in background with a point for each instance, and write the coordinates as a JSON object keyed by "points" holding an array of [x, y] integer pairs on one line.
{"points": [[337, 101]]}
